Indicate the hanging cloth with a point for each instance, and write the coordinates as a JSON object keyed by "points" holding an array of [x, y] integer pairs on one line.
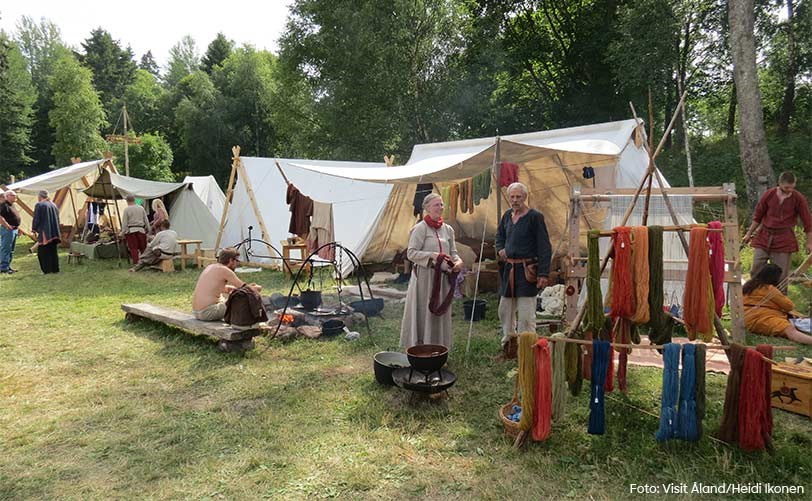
{"points": [[601, 351], [687, 428], [508, 174], [729, 429], [481, 186], [542, 414], [301, 208], [640, 271], [420, 193], [445, 193], [322, 230], [465, 188], [453, 202], [755, 413], [670, 393], [622, 286], [717, 266]]}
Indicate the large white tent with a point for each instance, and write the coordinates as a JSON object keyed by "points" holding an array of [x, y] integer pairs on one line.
{"points": [[373, 202], [209, 192]]}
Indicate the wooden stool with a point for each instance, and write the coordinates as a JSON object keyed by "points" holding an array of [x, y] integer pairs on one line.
{"points": [[294, 266], [167, 265], [75, 257]]}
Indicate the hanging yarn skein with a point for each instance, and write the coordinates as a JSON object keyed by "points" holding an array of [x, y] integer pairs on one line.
{"points": [[687, 429], [660, 324], [601, 350], [574, 358], [670, 394], [640, 272], [752, 405], [559, 377], [697, 286], [729, 429], [699, 386], [544, 391], [717, 266], [622, 285], [594, 318], [767, 351], [527, 378]]}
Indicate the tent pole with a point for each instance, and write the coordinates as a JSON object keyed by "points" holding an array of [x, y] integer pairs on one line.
{"points": [[115, 233], [282, 172], [265, 236], [497, 172], [235, 150], [75, 214]]}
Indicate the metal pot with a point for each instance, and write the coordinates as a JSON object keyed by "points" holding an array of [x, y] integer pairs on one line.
{"points": [[387, 362], [427, 357], [332, 327], [310, 300]]}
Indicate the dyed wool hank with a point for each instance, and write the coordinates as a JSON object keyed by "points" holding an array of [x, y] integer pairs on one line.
{"points": [[601, 351], [699, 387], [670, 393], [640, 272], [574, 359], [754, 403], [697, 286], [527, 378], [729, 429], [687, 429], [559, 377], [622, 287], [660, 324], [594, 317], [717, 266], [544, 391]]}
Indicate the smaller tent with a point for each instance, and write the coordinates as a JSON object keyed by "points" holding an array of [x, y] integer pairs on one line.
{"points": [[209, 192], [188, 215]]}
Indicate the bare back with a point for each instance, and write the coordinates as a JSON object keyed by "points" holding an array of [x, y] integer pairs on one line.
{"points": [[211, 283]]}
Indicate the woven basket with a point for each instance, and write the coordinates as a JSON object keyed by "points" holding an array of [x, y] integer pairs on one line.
{"points": [[511, 428]]}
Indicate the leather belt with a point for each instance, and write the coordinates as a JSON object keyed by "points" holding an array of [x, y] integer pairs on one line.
{"points": [[512, 276]]}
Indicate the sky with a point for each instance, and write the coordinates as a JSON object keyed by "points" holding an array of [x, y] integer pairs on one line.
{"points": [[156, 25]]}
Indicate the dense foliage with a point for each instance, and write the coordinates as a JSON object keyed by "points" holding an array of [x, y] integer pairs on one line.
{"points": [[355, 80]]}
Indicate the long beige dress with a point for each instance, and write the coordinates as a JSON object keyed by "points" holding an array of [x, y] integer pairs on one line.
{"points": [[420, 326]]}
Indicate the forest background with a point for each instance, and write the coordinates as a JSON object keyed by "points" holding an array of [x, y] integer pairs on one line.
{"points": [[358, 79]]}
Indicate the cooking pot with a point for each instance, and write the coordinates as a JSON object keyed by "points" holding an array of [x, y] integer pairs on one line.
{"points": [[332, 327], [385, 363], [427, 357], [310, 300]]}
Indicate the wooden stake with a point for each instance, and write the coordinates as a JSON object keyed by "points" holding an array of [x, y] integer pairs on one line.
{"points": [[260, 220], [235, 151]]}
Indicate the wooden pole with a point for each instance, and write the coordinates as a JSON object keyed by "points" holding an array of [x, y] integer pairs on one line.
{"points": [[497, 172], [235, 151], [282, 172], [257, 213], [650, 160], [126, 143]]}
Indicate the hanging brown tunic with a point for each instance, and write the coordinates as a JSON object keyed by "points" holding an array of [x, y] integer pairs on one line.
{"points": [[419, 325]]}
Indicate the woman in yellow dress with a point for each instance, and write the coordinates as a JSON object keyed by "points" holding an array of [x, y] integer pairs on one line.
{"points": [[766, 309]]}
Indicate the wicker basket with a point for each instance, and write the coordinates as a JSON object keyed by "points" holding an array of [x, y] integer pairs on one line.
{"points": [[511, 427]]}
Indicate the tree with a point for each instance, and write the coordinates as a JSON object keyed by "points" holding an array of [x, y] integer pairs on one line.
{"points": [[148, 63], [183, 61], [77, 114], [17, 97], [144, 98], [41, 45], [202, 132], [788, 100], [151, 159], [217, 52], [113, 68], [755, 159]]}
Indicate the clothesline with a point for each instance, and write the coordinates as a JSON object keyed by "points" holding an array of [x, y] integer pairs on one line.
{"points": [[660, 347]]}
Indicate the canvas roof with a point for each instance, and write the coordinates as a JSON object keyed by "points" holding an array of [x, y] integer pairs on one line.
{"points": [[209, 192], [109, 185]]}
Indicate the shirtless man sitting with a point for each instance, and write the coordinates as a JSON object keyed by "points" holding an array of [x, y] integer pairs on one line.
{"points": [[214, 284]]}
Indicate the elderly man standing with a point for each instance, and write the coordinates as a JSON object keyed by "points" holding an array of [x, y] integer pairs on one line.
{"points": [[134, 227], [772, 230], [524, 251], [46, 226], [9, 222]]}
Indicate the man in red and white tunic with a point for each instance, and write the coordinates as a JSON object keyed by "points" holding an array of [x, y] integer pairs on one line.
{"points": [[772, 233]]}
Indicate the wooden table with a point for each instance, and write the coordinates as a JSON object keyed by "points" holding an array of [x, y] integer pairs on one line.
{"points": [[184, 253], [294, 267]]}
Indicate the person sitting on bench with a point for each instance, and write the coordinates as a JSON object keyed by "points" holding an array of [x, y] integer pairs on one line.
{"points": [[766, 308], [163, 246], [215, 282]]}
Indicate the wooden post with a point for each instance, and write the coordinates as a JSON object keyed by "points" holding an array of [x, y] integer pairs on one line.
{"points": [[497, 172], [574, 249], [732, 245], [235, 150], [265, 235]]}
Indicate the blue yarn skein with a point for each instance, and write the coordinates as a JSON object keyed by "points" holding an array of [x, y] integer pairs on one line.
{"points": [[601, 351], [668, 413], [687, 424]]}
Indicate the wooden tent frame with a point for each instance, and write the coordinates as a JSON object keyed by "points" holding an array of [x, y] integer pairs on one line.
{"points": [[576, 272]]}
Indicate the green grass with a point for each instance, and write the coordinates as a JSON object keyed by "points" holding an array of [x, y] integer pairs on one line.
{"points": [[92, 407]]}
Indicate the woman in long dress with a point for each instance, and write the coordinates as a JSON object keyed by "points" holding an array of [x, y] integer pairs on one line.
{"points": [[766, 308], [159, 214], [430, 241]]}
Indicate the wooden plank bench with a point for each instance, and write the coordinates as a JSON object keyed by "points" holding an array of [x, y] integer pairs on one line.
{"points": [[228, 338]]}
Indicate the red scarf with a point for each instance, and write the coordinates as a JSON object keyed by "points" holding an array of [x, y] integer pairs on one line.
{"points": [[432, 223]]}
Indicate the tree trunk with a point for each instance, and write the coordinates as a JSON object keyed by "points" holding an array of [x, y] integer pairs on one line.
{"points": [[731, 111], [755, 159], [788, 102]]}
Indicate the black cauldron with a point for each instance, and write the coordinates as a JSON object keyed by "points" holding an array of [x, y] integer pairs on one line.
{"points": [[427, 357], [332, 327], [310, 300], [385, 363]]}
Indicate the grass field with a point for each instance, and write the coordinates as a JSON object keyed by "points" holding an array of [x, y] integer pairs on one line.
{"points": [[92, 407]]}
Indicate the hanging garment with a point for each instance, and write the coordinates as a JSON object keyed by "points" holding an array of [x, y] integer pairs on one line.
{"points": [[322, 230], [301, 208], [508, 174], [420, 193], [481, 186], [696, 300]]}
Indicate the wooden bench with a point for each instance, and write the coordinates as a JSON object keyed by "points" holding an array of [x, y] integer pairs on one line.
{"points": [[228, 338]]}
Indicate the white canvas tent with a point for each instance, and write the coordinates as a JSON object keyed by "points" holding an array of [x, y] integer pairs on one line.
{"points": [[64, 186], [188, 215], [209, 192], [379, 198]]}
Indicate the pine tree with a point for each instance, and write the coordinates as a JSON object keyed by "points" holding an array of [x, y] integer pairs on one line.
{"points": [[217, 52], [17, 96]]}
